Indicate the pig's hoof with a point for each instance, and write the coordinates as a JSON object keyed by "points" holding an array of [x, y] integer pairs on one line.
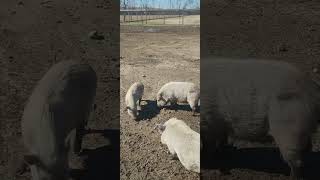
{"points": [[173, 157], [77, 162]]}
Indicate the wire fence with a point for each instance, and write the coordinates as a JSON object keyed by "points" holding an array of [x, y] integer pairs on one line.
{"points": [[148, 16]]}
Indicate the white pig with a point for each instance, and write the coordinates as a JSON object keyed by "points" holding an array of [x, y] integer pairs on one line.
{"points": [[182, 142], [179, 92], [133, 99], [55, 116]]}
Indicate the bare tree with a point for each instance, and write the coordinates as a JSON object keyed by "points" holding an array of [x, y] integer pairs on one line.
{"points": [[124, 4], [144, 4], [153, 4], [178, 4], [132, 4], [187, 3], [197, 4]]}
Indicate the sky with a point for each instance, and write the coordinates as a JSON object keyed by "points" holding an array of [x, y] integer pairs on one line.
{"points": [[166, 3]]}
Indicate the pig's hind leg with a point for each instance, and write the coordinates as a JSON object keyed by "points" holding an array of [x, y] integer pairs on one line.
{"points": [[173, 154], [290, 126]]}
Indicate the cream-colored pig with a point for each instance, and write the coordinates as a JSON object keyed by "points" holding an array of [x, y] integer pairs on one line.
{"points": [[182, 142]]}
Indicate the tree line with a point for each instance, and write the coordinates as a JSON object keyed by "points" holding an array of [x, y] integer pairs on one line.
{"points": [[160, 4]]}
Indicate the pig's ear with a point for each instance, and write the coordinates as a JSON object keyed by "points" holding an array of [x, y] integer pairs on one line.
{"points": [[160, 127], [31, 159], [129, 108], [125, 109]]}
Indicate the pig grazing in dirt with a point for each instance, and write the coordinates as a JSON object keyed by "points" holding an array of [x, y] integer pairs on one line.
{"points": [[256, 99], [179, 92], [182, 142], [133, 99], [55, 116]]}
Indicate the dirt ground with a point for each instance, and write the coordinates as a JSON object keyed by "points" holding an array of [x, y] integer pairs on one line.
{"points": [[155, 59], [35, 35]]}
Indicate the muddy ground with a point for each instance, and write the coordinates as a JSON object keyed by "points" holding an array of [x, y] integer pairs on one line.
{"points": [[37, 34], [155, 59]]}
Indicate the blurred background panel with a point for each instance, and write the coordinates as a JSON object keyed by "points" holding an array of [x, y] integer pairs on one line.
{"points": [[37, 34], [285, 31]]}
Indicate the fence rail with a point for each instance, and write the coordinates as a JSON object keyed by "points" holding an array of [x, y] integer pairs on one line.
{"points": [[145, 15]]}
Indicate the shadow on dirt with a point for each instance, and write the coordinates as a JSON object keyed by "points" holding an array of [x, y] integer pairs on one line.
{"points": [[178, 107], [149, 110], [311, 170], [259, 159], [181, 107], [103, 162]]}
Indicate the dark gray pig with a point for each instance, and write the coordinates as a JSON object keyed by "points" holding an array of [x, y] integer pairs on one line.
{"points": [[55, 116], [256, 99]]}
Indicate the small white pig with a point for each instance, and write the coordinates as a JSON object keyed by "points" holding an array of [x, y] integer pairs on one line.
{"points": [[179, 92], [133, 99]]}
